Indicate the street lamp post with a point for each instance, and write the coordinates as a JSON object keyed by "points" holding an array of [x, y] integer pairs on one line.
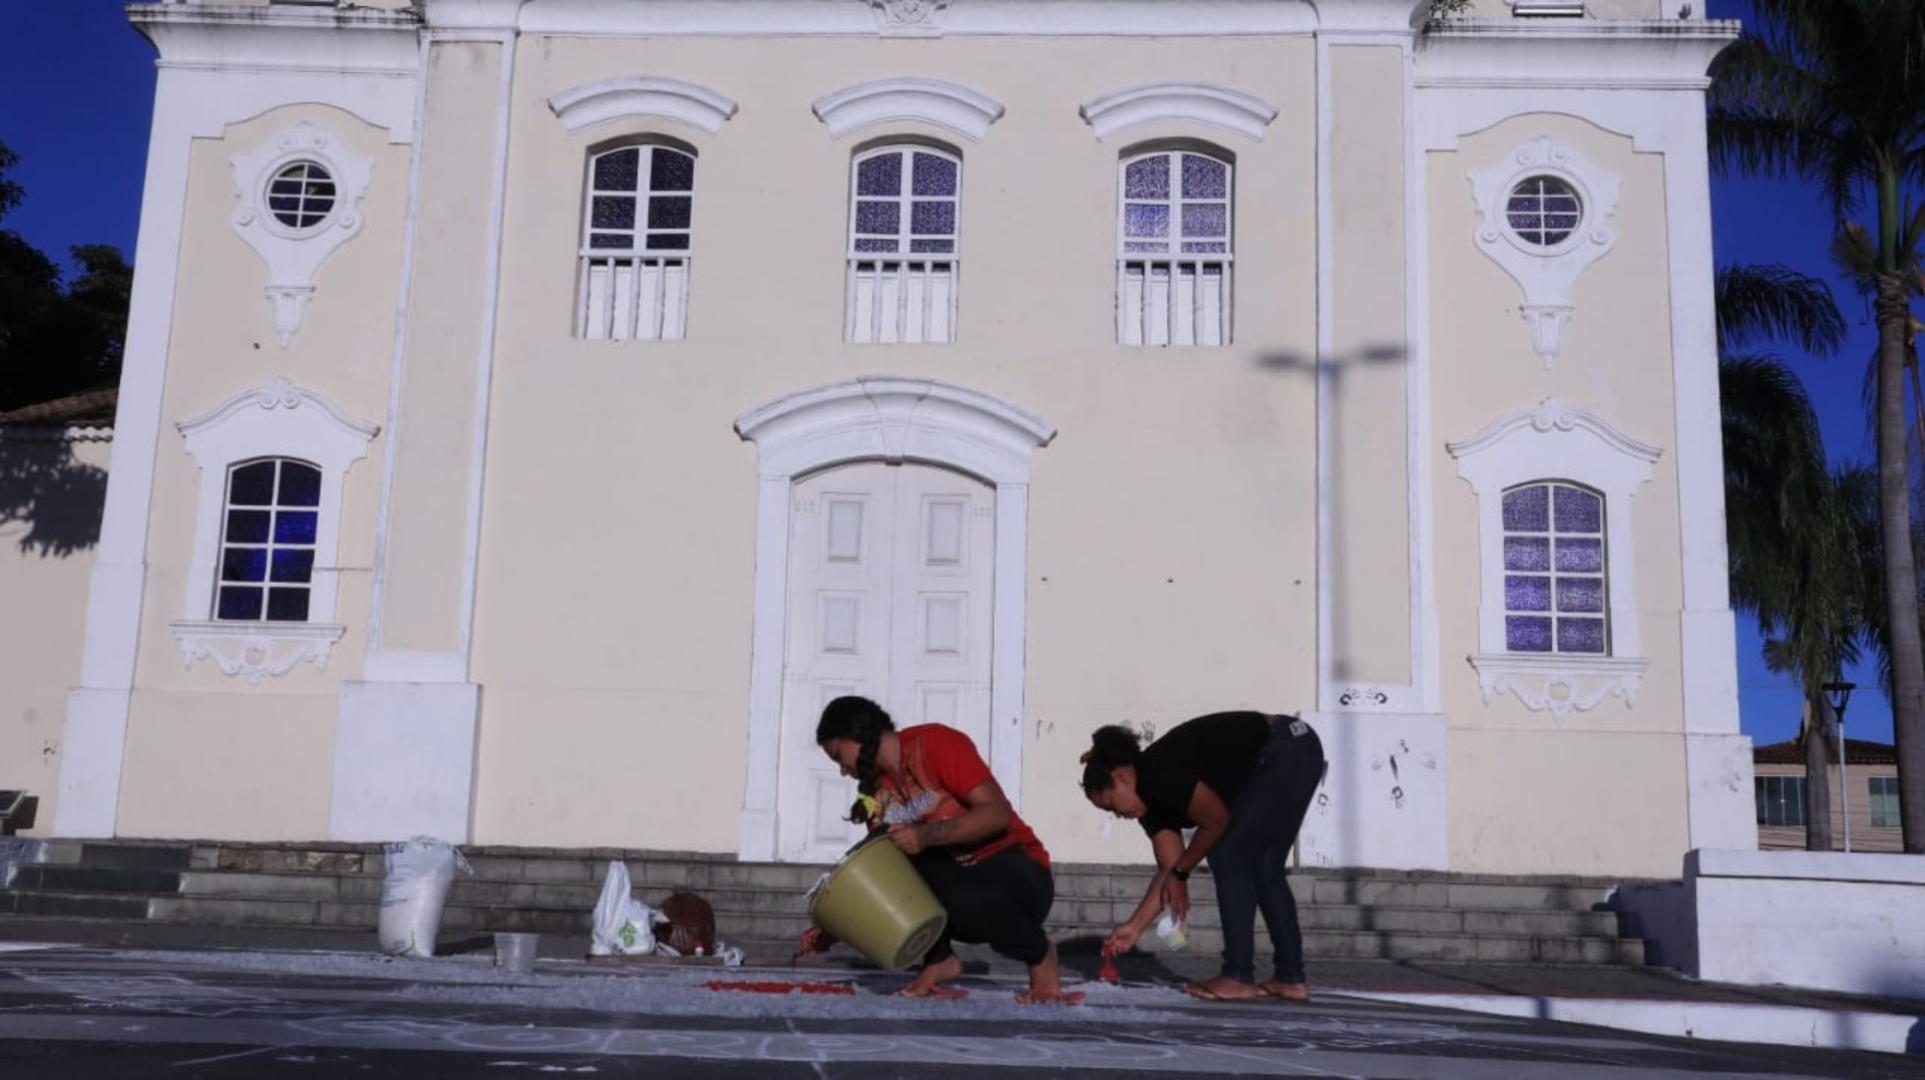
{"points": [[1839, 693]]}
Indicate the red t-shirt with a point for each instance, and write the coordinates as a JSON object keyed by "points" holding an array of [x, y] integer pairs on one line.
{"points": [[942, 766]]}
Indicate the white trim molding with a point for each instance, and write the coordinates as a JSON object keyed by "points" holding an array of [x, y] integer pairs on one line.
{"points": [[1560, 685], [1556, 442], [909, 18], [1197, 102], [931, 101], [642, 96], [1546, 273], [294, 254], [254, 651], [277, 419], [891, 419]]}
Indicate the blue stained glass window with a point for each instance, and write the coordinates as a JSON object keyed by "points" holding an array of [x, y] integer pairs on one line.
{"points": [[252, 485], [668, 242], [613, 212], [1580, 555], [300, 485], [247, 526], [1527, 593], [932, 175], [239, 603], [1527, 553], [671, 170], [670, 211], [1554, 559], [287, 605], [1578, 511], [932, 246], [294, 527], [880, 175], [611, 241], [293, 565], [1148, 178], [1205, 220], [1527, 509], [272, 543], [876, 244], [1527, 633], [244, 564], [1580, 594], [1580, 635], [1204, 178], [618, 171], [878, 217], [933, 218], [1146, 220]]}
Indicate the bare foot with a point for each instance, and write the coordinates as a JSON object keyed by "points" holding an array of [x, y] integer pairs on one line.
{"points": [[1297, 992], [1223, 988], [1046, 984], [926, 983]]}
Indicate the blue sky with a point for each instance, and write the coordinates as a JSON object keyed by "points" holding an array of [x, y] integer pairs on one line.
{"points": [[79, 85]]}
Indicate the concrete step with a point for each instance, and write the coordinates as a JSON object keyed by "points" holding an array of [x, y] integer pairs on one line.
{"points": [[72, 905], [117, 856], [97, 879]]}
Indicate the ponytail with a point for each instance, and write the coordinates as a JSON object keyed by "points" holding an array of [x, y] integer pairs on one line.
{"points": [[864, 722], [1111, 747]]}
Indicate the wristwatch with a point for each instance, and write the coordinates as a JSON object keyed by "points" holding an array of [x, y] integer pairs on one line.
{"points": [[1180, 875]]}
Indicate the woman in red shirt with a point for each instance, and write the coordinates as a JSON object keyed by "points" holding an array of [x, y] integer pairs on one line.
{"points": [[930, 788]]}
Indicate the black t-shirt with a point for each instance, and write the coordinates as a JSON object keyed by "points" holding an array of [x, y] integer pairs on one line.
{"points": [[1220, 749]]}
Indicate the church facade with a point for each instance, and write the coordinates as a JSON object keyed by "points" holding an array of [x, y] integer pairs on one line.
{"points": [[535, 410]]}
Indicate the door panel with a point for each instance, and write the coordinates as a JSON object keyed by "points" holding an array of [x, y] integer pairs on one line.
{"points": [[889, 597]]}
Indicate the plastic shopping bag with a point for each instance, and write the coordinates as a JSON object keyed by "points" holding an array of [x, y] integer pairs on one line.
{"points": [[420, 871], [624, 926]]}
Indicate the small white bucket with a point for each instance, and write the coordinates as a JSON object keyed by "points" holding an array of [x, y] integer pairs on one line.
{"points": [[516, 952]]}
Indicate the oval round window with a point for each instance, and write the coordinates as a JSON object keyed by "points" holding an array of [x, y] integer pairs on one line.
{"points": [[301, 195], [1543, 211]]}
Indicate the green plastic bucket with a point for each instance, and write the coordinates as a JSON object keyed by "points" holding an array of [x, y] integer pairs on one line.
{"points": [[875, 901]]}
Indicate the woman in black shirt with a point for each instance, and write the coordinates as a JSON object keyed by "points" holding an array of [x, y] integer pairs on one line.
{"points": [[1243, 781]]}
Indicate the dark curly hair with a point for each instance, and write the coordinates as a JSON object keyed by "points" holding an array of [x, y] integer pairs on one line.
{"points": [[1112, 746], [865, 722]]}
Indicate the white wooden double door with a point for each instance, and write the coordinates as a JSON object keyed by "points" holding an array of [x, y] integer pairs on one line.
{"points": [[891, 569]]}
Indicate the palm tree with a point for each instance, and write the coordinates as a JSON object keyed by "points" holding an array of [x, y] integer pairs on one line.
{"points": [[1834, 91], [1795, 527]]}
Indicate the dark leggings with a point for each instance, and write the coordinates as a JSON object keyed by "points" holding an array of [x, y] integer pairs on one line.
{"points": [[1000, 902], [1248, 864]]}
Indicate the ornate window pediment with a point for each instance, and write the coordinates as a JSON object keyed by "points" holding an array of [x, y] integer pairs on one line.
{"points": [[1545, 214], [1526, 597], [299, 199]]}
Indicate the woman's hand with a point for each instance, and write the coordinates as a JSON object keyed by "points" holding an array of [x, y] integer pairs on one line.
{"points": [[908, 837], [1176, 897], [1121, 940]]}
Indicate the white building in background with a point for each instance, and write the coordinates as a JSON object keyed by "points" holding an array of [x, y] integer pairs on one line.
{"points": [[535, 409]]}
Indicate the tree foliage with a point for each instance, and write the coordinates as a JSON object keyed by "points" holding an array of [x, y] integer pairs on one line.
{"points": [[57, 336]]}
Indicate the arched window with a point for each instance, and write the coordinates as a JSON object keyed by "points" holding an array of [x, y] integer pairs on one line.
{"points": [[1173, 276], [905, 219], [268, 529], [1555, 594], [636, 227]]}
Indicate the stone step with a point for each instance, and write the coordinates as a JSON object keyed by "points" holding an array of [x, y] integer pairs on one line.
{"points": [[72, 905], [117, 856], [95, 879]]}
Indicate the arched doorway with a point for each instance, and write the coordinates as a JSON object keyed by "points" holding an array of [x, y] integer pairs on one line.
{"points": [[891, 547]]}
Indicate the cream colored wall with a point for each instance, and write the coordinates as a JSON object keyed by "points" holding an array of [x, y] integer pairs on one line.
{"points": [[222, 343], [1527, 790], [1172, 541], [45, 560], [1368, 469]]}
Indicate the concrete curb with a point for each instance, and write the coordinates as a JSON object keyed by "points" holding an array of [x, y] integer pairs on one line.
{"points": [[1777, 1025]]}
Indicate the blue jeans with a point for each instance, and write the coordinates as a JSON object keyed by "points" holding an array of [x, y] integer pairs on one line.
{"points": [[1248, 864]]}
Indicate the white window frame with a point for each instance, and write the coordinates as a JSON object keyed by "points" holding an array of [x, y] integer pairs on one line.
{"points": [[915, 273], [1557, 443], [643, 291], [275, 420], [293, 256], [269, 547], [1173, 265]]}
